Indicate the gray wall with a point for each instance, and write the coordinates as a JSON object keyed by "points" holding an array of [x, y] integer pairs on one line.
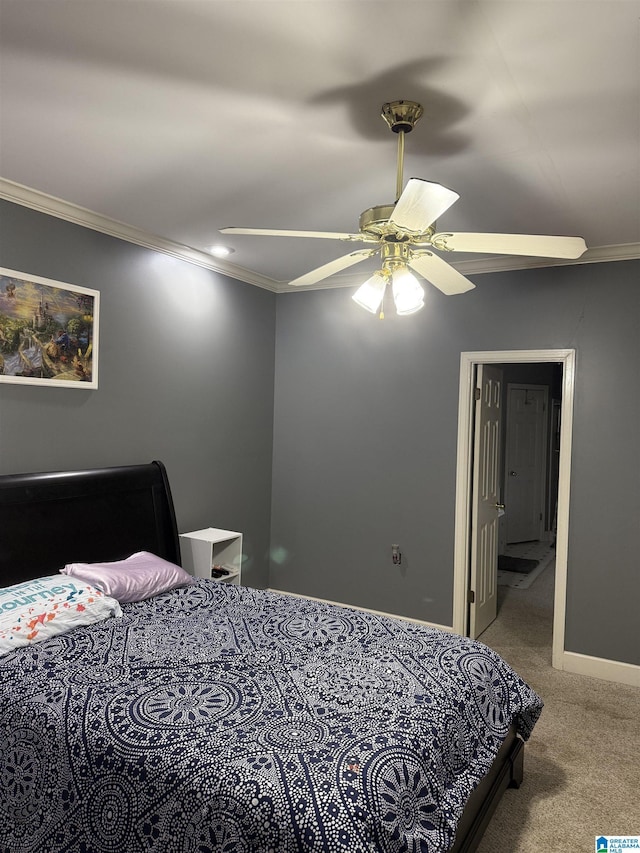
{"points": [[186, 372], [364, 429], [365, 442]]}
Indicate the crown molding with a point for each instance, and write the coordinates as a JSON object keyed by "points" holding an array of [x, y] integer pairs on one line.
{"points": [[36, 200], [44, 203]]}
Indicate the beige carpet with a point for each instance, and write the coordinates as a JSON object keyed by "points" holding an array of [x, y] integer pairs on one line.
{"points": [[582, 763]]}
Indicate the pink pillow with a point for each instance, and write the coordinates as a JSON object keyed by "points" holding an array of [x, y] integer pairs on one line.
{"points": [[139, 576]]}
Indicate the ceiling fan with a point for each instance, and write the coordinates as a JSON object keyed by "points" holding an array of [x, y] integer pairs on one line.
{"points": [[405, 235]]}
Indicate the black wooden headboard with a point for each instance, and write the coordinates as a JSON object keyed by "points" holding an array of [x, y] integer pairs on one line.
{"points": [[102, 514]]}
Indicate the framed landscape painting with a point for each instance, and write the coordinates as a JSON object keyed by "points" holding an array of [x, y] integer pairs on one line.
{"points": [[48, 332]]}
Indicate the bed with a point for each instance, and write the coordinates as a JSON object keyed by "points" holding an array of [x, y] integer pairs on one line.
{"points": [[220, 718]]}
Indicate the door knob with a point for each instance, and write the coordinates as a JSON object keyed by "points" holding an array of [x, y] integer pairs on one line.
{"points": [[500, 506], [513, 473]]}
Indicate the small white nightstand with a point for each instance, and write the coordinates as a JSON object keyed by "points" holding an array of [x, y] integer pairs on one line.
{"points": [[201, 550]]}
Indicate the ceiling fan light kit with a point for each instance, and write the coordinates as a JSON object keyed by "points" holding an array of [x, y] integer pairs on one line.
{"points": [[370, 294], [404, 234], [408, 293]]}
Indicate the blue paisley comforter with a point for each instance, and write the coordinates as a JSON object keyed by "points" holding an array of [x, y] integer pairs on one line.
{"points": [[232, 720]]}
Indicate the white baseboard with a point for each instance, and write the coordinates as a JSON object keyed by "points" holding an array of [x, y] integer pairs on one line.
{"points": [[608, 670], [364, 609]]}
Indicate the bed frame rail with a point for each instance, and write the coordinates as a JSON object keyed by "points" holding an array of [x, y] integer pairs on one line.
{"points": [[506, 772]]}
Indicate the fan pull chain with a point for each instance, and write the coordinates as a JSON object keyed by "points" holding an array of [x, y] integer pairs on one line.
{"points": [[381, 315]]}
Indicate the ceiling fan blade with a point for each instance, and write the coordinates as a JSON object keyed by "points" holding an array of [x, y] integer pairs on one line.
{"points": [[420, 204], [440, 274], [273, 232], [534, 245], [333, 267]]}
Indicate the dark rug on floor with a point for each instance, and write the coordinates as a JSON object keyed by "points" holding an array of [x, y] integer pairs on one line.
{"points": [[516, 564]]}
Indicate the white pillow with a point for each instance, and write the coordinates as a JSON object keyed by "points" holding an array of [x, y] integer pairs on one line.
{"points": [[38, 609]]}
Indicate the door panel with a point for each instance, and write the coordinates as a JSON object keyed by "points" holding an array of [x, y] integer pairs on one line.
{"points": [[485, 499]]}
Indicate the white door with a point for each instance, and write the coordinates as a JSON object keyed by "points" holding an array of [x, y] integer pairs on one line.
{"points": [[525, 464], [483, 605]]}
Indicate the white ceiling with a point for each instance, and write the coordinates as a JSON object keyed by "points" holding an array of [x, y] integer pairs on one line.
{"points": [[178, 117]]}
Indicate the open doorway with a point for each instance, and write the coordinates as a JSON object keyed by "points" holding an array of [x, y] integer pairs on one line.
{"points": [[555, 513], [528, 475]]}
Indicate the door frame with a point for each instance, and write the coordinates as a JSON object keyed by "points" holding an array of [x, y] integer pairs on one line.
{"points": [[466, 403]]}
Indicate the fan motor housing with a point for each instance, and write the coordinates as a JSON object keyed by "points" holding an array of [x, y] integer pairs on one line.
{"points": [[374, 219], [374, 222]]}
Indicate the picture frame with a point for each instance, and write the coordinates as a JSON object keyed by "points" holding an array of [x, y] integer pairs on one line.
{"points": [[48, 332]]}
